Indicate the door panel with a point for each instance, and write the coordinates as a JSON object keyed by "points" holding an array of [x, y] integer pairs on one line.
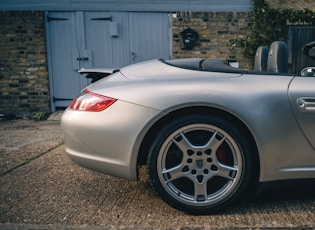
{"points": [[108, 51], [64, 53], [302, 98], [101, 39], [149, 36]]}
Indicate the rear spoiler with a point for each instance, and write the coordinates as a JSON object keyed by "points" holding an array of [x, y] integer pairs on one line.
{"points": [[97, 73]]}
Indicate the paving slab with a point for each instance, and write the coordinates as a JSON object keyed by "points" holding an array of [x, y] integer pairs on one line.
{"points": [[23, 140]]}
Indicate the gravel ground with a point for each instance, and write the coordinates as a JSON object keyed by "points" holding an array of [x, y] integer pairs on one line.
{"points": [[40, 188], [23, 140]]}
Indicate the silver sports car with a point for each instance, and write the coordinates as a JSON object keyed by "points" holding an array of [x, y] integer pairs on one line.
{"points": [[208, 132]]}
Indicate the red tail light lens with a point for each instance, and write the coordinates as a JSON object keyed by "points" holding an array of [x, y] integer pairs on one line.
{"points": [[92, 102]]}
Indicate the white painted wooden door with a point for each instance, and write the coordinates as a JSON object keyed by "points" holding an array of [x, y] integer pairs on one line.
{"points": [[100, 39]]}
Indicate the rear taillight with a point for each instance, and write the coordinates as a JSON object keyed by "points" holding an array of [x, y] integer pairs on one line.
{"points": [[88, 101]]}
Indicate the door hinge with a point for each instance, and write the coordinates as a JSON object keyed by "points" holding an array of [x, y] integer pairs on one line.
{"points": [[56, 19], [61, 99], [103, 19]]}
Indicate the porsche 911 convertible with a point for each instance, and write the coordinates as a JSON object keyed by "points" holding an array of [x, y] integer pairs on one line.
{"points": [[208, 132]]}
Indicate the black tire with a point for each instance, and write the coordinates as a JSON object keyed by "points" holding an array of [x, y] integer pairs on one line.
{"points": [[199, 163]]}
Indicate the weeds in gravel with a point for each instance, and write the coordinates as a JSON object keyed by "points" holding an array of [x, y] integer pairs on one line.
{"points": [[40, 116]]}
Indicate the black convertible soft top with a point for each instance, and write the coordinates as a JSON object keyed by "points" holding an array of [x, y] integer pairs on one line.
{"points": [[268, 61], [212, 65]]}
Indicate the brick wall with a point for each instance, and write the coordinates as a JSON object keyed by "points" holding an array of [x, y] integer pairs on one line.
{"points": [[24, 84], [295, 4], [217, 31]]}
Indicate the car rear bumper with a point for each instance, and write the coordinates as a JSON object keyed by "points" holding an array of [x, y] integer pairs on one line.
{"points": [[107, 141]]}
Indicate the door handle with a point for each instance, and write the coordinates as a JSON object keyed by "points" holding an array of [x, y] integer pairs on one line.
{"points": [[306, 103], [133, 56]]}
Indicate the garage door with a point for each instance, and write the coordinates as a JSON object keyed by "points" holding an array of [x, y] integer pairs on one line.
{"points": [[100, 39]]}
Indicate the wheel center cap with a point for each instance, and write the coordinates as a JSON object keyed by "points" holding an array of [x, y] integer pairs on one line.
{"points": [[199, 163]]}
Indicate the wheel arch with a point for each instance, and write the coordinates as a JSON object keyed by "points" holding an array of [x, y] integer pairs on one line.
{"points": [[151, 134]]}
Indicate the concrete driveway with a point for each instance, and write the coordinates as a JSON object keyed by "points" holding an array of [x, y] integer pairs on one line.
{"points": [[40, 188]]}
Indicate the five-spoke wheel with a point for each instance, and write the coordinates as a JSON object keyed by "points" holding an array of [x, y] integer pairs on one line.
{"points": [[199, 163]]}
